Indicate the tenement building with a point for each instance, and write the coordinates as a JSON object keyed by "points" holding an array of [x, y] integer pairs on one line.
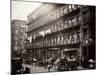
{"points": [[61, 31], [18, 36]]}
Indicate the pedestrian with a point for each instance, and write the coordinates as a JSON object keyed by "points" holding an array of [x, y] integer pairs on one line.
{"points": [[27, 70], [49, 67], [49, 64], [34, 61], [56, 63]]}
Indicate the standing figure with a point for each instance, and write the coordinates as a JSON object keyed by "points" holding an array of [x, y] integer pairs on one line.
{"points": [[49, 64]]}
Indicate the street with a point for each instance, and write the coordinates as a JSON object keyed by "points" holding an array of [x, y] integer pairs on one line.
{"points": [[37, 69]]}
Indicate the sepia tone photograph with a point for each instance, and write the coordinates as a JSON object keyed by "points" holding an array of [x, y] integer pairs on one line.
{"points": [[52, 37]]}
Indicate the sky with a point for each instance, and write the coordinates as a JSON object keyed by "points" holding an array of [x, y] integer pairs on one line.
{"points": [[20, 10]]}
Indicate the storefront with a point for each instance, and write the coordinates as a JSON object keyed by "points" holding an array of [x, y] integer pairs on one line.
{"points": [[69, 53]]}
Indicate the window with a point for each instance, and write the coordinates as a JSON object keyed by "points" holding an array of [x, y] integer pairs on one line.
{"points": [[75, 37], [62, 39], [51, 41], [78, 36], [79, 6], [79, 18], [70, 8], [65, 10], [74, 21], [60, 26], [73, 7], [72, 38], [15, 48], [65, 24], [16, 42], [57, 26], [52, 28], [52, 17], [65, 38], [76, 6], [70, 23], [55, 40], [85, 17], [16, 31], [58, 40], [57, 14], [61, 12], [68, 41]]}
